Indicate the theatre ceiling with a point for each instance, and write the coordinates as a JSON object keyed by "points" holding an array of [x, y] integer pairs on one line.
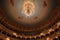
{"points": [[29, 19]]}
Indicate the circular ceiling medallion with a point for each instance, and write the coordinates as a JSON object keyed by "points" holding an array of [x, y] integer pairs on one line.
{"points": [[28, 8]]}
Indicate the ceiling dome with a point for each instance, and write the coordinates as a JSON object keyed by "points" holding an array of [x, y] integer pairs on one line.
{"points": [[28, 11], [29, 19]]}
